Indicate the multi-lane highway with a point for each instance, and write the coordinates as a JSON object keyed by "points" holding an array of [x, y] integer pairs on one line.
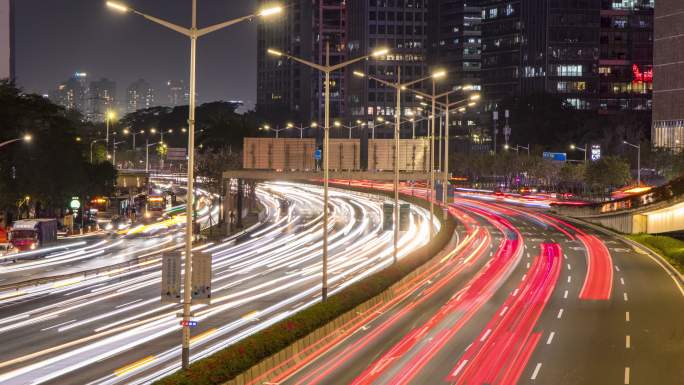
{"points": [[526, 298], [112, 328]]}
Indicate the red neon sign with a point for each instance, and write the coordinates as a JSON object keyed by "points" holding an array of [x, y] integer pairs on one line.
{"points": [[646, 76]]}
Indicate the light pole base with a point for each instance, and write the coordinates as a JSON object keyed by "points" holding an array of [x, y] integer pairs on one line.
{"points": [[324, 294], [185, 357]]}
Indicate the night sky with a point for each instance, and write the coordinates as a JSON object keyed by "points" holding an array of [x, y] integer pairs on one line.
{"points": [[55, 38]]}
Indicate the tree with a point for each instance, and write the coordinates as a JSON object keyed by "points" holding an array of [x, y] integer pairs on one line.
{"points": [[54, 166], [608, 173]]}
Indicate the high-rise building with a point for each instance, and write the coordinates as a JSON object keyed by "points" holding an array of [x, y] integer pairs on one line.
{"points": [[668, 95], [139, 95], [102, 97], [177, 93], [73, 93], [6, 39], [592, 53], [288, 90], [400, 26], [455, 39]]}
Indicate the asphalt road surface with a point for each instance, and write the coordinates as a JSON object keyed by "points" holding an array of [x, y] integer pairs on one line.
{"points": [[113, 329], [525, 298]]}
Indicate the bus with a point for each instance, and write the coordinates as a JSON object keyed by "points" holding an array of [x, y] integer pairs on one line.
{"points": [[156, 203]]}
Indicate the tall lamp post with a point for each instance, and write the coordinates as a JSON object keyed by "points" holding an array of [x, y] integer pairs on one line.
{"points": [[638, 147], [193, 33], [26, 138], [108, 118], [326, 70], [583, 149], [398, 87]]}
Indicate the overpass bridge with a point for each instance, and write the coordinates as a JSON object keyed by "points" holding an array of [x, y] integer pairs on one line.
{"points": [[660, 210]]}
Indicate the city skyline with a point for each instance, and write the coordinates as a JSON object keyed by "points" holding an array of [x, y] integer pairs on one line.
{"points": [[142, 50]]}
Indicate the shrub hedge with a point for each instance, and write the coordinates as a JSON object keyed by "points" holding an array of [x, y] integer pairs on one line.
{"points": [[669, 248], [237, 358]]}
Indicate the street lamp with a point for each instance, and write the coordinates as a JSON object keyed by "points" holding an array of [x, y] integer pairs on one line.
{"points": [[26, 138], [583, 149], [638, 147], [147, 153], [398, 87], [110, 115], [269, 128], [91, 148], [193, 33], [126, 131], [350, 128], [301, 128], [517, 148], [326, 69]]}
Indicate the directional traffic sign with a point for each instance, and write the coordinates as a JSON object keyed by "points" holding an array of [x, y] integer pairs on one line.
{"points": [[171, 278], [317, 154], [201, 278]]}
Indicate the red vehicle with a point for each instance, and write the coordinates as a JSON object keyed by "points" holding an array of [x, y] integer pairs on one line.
{"points": [[28, 234]]}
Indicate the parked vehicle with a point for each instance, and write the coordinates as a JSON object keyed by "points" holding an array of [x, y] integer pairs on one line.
{"points": [[29, 234]]}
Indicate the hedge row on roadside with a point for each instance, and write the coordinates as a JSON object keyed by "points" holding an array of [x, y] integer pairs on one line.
{"points": [[670, 248], [239, 357]]}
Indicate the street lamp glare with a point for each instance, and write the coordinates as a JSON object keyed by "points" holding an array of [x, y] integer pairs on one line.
{"points": [[125, 131], [462, 109], [467, 87], [380, 52], [475, 97], [314, 124], [471, 104], [439, 74], [274, 52], [381, 119], [270, 11], [506, 147], [117, 6], [572, 146], [336, 124], [359, 74], [27, 138], [290, 125], [153, 130]]}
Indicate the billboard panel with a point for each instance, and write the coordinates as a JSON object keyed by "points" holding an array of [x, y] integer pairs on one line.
{"points": [[171, 278]]}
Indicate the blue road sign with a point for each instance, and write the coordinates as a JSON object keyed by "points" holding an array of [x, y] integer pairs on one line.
{"points": [[557, 156], [317, 154]]}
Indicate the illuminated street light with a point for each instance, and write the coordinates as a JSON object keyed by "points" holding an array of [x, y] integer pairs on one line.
{"points": [[26, 138], [193, 33], [326, 70]]}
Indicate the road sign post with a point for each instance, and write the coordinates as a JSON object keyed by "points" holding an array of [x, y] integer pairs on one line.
{"points": [[404, 211], [201, 278], [387, 216], [171, 278]]}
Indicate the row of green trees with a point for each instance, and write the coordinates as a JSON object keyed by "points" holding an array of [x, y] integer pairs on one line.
{"points": [[518, 170], [54, 166]]}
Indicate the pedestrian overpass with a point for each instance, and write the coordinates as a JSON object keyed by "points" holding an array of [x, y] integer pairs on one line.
{"points": [[660, 210]]}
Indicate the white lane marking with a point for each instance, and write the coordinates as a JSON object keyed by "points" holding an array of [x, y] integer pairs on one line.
{"points": [[569, 267], [516, 292], [617, 268], [628, 341], [459, 368], [560, 313], [626, 316], [565, 295], [528, 265], [622, 281], [523, 277], [484, 337], [536, 371], [503, 311], [565, 256], [626, 375], [528, 255], [58, 325], [550, 339], [625, 296], [569, 279], [128, 303]]}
